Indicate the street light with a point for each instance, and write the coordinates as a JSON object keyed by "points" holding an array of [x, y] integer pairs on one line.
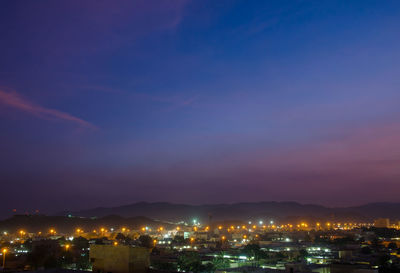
{"points": [[4, 257]]}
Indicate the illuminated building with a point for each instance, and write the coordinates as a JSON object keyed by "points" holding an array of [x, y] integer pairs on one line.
{"points": [[382, 223], [119, 259]]}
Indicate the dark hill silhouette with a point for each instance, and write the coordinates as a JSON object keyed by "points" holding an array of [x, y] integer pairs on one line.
{"points": [[247, 211], [66, 224]]}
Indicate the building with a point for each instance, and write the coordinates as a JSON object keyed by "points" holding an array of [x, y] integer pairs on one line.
{"points": [[119, 259], [382, 223], [351, 268]]}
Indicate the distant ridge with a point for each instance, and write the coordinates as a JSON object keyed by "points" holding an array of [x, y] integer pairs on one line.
{"points": [[67, 224], [283, 211]]}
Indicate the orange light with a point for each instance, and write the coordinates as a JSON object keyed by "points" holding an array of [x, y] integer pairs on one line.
{"points": [[67, 247], [123, 229], [219, 227], [223, 237], [115, 243], [178, 228], [143, 229], [4, 250]]}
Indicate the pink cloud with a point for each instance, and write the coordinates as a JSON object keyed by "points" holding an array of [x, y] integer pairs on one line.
{"points": [[13, 99]]}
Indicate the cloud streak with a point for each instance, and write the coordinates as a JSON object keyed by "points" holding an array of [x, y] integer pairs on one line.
{"points": [[14, 100], [176, 101]]}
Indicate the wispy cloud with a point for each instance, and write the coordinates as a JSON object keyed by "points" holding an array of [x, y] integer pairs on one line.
{"points": [[13, 99], [175, 101]]}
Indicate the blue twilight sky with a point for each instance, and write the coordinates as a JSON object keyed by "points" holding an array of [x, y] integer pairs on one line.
{"points": [[111, 102]]}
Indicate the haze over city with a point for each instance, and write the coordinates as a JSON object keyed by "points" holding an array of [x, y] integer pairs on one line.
{"points": [[106, 103]]}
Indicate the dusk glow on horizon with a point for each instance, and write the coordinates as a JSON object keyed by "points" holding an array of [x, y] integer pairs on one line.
{"points": [[106, 103]]}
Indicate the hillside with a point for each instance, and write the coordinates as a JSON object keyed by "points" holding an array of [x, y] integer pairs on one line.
{"points": [[65, 224], [247, 211]]}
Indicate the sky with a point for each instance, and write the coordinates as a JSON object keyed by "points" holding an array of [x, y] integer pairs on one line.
{"points": [[104, 103]]}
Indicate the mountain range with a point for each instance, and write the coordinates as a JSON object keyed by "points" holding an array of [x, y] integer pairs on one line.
{"points": [[267, 211], [68, 224]]}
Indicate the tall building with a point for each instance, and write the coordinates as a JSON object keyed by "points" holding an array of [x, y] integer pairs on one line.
{"points": [[119, 259], [382, 223]]}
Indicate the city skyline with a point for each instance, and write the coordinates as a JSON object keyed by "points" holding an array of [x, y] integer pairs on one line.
{"points": [[106, 104]]}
